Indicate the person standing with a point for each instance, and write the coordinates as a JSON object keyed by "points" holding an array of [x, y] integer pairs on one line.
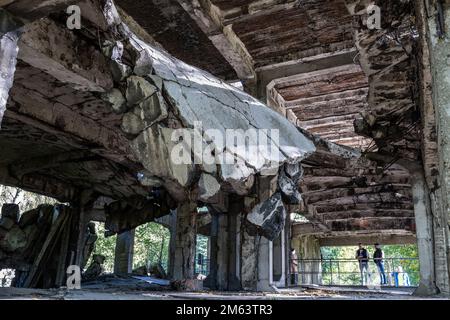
{"points": [[378, 257], [363, 259], [294, 267]]}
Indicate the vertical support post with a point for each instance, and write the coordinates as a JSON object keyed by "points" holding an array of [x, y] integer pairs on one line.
{"points": [[172, 251], [185, 242], [212, 280], [236, 207], [123, 260], [424, 234], [434, 26]]}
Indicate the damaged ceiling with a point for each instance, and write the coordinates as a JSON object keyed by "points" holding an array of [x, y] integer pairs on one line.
{"points": [[79, 116]]}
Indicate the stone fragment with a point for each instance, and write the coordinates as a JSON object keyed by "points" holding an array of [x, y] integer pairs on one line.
{"points": [[289, 190], [138, 89], [116, 99], [95, 269], [119, 70], [294, 171], [153, 109], [157, 81], [157, 270], [143, 65], [11, 210], [208, 187], [132, 123], [6, 223], [191, 285], [14, 239], [157, 149], [140, 271], [269, 217]]}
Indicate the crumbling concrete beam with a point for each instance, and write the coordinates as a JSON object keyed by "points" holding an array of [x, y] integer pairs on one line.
{"points": [[62, 54], [30, 10]]}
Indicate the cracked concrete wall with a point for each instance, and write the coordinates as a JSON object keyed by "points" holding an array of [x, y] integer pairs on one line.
{"points": [[439, 47]]}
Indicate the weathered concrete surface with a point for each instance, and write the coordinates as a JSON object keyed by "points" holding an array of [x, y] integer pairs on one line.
{"points": [[123, 258], [439, 45], [308, 247], [424, 234], [185, 242]]}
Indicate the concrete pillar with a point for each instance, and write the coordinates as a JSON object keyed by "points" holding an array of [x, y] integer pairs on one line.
{"points": [[173, 231], [236, 207], [224, 259], [211, 281], [308, 248], [256, 264], [437, 16], [279, 261], [265, 265], [123, 260], [185, 242], [424, 234]]}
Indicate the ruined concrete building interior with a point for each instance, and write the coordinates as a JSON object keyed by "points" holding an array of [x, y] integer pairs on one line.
{"points": [[115, 115]]}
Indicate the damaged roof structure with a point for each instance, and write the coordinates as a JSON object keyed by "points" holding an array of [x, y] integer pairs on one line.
{"points": [[130, 119]]}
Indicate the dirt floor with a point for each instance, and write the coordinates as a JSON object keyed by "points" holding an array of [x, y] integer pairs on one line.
{"points": [[140, 294]]}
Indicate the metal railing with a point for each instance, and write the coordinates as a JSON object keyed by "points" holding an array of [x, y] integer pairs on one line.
{"points": [[202, 266], [399, 272]]}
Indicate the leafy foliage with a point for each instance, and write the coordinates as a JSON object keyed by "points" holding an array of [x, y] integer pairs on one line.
{"points": [[151, 246], [26, 200], [346, 272]]}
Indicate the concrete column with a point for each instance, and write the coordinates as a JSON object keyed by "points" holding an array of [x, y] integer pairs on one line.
{"points": [[211, 281], [173, 231], [424, 234], [236, 208], [437, 15], [308, 248], [185, 242], [123, 261], [265, 265], [224, 263], [256, 267], [278, 246]]}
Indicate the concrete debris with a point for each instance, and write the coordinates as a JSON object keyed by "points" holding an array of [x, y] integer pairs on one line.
{"points": [[269, 217], [156, 270], [153, 109], [294, 171], [95, 269], [187, 285], [208, 186], [11, 210], [119, 71], [132, 123], [289, 189], [141, 271], [138, 89], [116, 99], [6, 223]]}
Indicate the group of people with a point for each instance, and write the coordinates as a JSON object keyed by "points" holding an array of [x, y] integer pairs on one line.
{"points": [[399, 277], [363, 258], [378, 258]]}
